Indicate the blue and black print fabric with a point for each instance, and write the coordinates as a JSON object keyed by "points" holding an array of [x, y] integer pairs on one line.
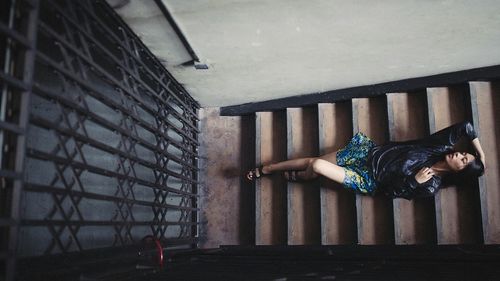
{"points": [[353, 158]]}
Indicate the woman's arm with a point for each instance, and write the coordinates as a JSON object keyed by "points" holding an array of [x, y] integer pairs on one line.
{"points": [[479, 150], [422, 184], [451, 135]]}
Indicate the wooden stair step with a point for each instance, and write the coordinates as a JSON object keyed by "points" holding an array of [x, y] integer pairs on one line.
{"points": [[270, 191], [304, 222], [374, 213], [485, 100], [457, 209], [414, 221], [338, 205]]}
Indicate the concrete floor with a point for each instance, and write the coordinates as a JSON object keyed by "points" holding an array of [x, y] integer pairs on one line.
{"points": [[227, 200]]}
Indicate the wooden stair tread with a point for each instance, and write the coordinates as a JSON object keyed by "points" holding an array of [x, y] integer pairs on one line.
{"points": [[338, 208]]}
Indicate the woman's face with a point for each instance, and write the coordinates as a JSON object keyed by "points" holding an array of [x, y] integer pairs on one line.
{"points": [[459, 160]]}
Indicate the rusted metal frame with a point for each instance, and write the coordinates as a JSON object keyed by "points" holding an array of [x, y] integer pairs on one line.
{"points": [[28, 71], [95, 93], [38, 188], [26, 222], [12, 81], [16, 36], [152, 58], [102, 72], [117, 61], [46, 93], [60, 160]]}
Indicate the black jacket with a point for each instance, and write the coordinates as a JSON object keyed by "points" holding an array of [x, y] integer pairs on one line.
{"points": [[395, 164]]}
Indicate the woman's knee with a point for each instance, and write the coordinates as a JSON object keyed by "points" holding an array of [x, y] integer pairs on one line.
{"points": [[317, 164]]}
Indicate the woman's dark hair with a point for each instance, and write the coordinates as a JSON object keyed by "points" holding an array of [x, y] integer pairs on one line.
{"points": [[472, 171]]}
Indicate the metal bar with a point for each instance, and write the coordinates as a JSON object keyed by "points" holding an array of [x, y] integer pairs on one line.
{"points": [[148, 100], [45, 28], [195, 230], [15, 35], [103, 26], [40, 91], [177, 30], [14, 81], [93, 90], [33, 187], [40, 121], [10, 174], [25, 222], [96, 93], [110, 33], [7, 126], [24, 109], [60, 160]]}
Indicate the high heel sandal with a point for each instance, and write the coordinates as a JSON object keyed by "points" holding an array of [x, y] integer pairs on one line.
{"points": [[256, 173]]}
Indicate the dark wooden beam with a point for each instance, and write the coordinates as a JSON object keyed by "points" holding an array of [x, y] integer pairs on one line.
{"points": [[405, 85]]}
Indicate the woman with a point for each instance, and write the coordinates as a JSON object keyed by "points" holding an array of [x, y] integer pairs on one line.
{"points": [[408, 169]]}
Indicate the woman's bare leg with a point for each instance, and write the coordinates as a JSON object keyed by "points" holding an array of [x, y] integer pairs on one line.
{"points": [[298, 164], [328, 170], [310, 167], [294, 164], [309, 172]]}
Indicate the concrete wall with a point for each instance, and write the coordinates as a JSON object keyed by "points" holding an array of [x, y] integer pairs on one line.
{"points": [[261, 50]]}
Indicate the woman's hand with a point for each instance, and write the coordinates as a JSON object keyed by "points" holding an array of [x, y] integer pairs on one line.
{"points": [[424, 175]]}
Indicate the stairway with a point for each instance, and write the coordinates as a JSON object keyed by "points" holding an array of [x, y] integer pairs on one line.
{"points": [[323, 213]]}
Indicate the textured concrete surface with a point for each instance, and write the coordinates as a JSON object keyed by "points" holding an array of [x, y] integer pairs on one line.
{"points": [[258, 50], [227, 200]]}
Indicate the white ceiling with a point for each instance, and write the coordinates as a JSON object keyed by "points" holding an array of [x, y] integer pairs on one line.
{"points": [[262, 50]]}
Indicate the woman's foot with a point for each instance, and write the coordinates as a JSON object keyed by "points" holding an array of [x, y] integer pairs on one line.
{"points": [[257, 173]]}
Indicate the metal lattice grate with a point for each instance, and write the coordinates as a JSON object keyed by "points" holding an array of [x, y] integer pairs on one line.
{"points": [[112, 141]]}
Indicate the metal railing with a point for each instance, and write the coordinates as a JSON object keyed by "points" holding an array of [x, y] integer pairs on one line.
{"points": [[105, 152]]}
